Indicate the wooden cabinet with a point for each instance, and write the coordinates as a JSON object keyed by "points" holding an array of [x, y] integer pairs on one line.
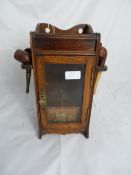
{"points": [[66, 65]]}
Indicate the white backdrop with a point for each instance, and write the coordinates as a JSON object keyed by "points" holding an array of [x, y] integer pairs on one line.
{"points": [[108, 149]]}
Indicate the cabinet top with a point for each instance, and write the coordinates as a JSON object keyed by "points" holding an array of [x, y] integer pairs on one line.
{"points": [[79, 39], [80, 29]]}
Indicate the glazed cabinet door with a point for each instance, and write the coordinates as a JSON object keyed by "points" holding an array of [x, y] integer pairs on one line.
{"points": [[64, 90]]}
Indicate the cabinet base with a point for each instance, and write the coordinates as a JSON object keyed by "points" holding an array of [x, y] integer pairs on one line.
{"points": [[63, 132]]}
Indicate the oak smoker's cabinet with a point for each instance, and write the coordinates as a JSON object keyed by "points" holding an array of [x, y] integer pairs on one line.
{"points": [[66, 66]]}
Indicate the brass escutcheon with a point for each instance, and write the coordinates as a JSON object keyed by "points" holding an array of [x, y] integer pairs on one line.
{"points": [[42, 98]]}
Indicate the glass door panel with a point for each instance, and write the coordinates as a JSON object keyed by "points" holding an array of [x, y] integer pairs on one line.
{"points": [[64, 92]]}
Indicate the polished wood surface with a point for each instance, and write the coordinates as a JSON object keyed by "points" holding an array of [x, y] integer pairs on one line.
{"points": [[59, 107]]}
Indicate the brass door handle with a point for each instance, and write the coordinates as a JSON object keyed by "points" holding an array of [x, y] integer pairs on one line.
{"points": [[42, 99]]}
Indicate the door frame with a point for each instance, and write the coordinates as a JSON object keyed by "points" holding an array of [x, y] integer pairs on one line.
{"points": [[89, 60]]}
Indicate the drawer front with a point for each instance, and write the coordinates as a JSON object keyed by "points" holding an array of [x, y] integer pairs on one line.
{"points": [[63, 43]]}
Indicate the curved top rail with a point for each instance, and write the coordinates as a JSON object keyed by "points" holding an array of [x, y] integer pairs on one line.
{"points": [[46, 28]]}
